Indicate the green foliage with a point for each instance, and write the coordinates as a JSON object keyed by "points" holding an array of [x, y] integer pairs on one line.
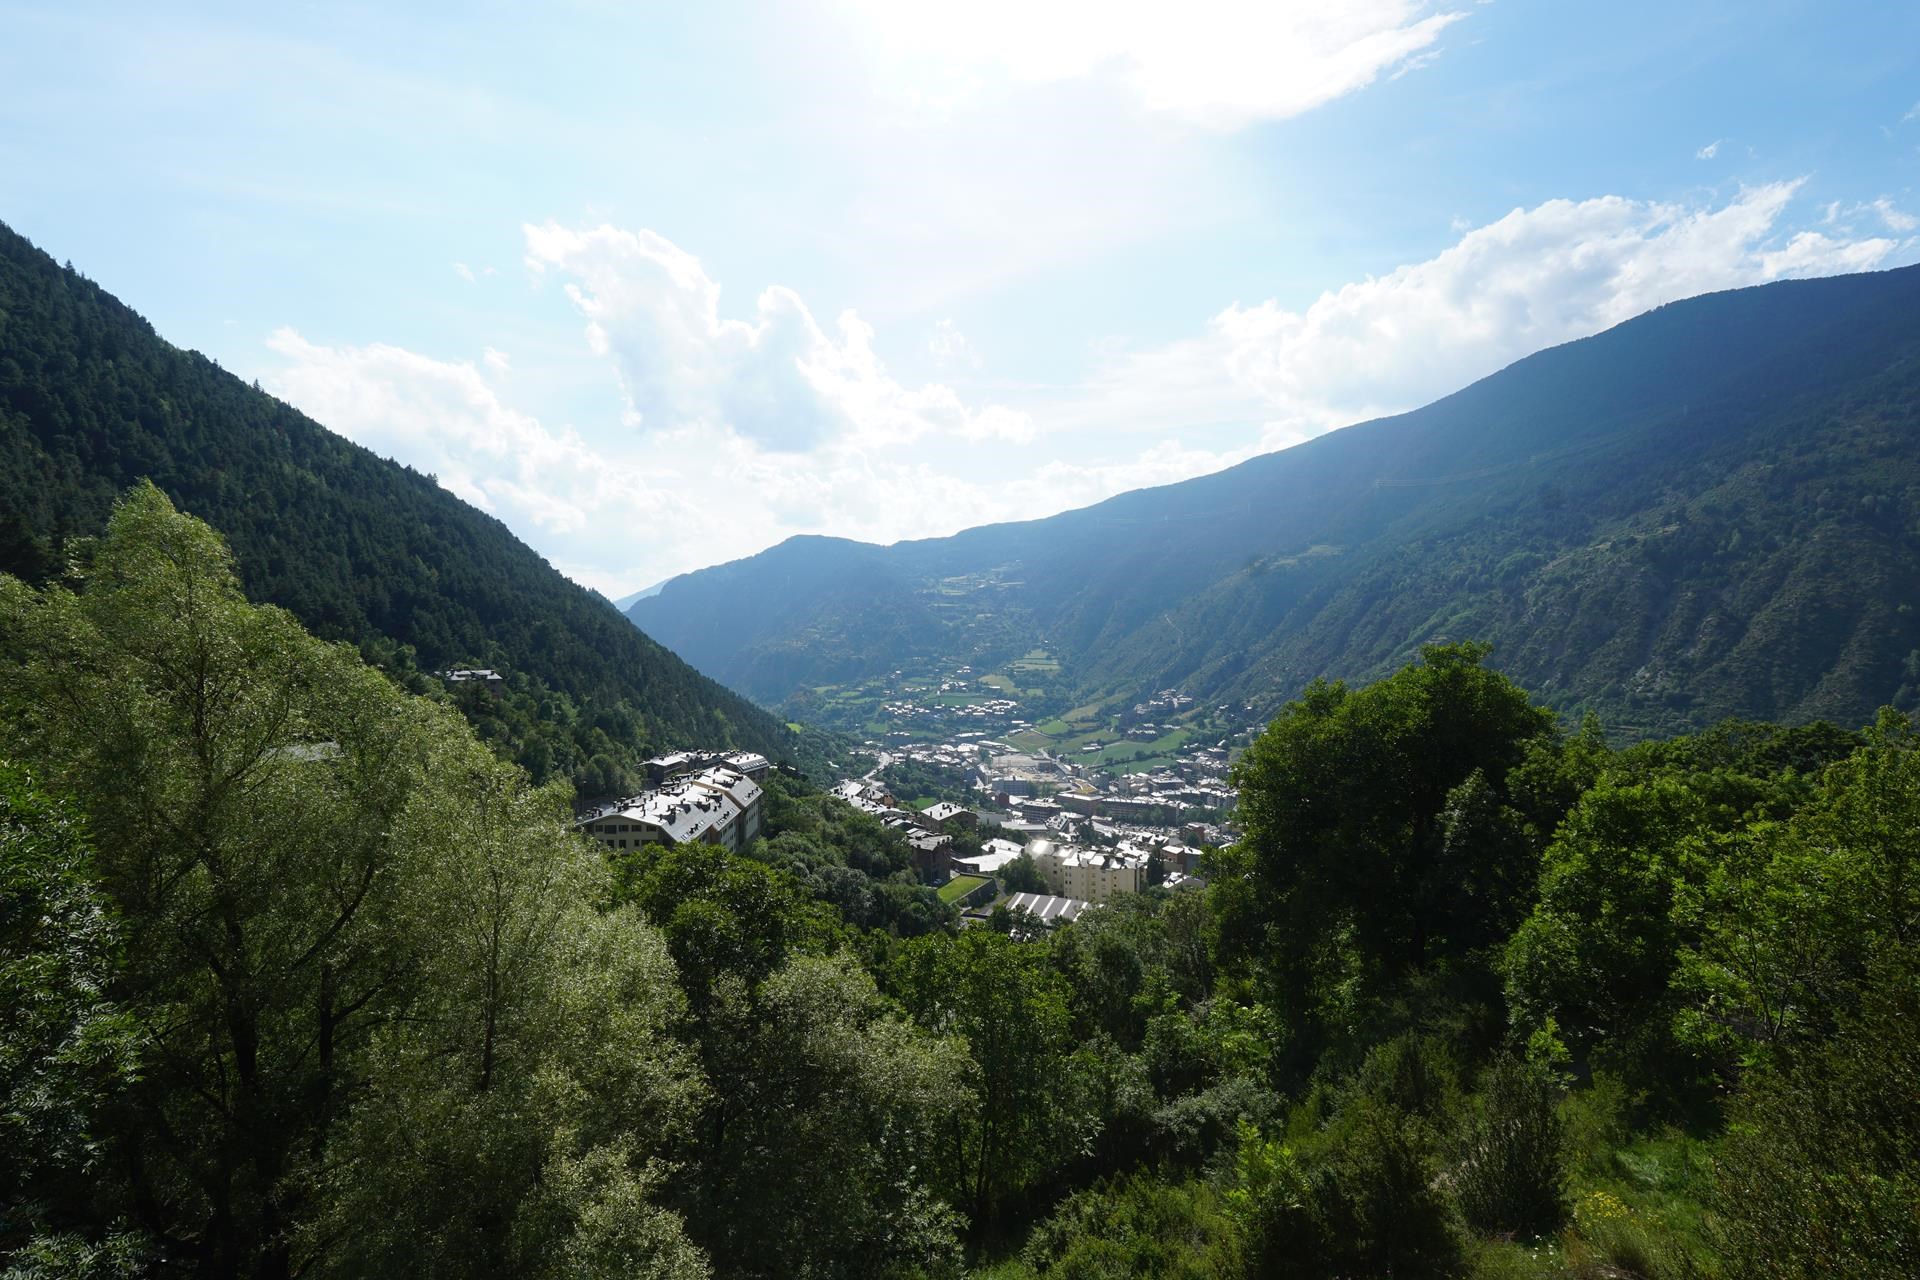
{"points": [[1011, 1008], [829, 1108], [922, 782], [1820, 1173], [520, 1120], [66, 1047], [1509, 1170], [1138, 1226], [723, 915], [1598, 952], [848, 860], [301, 978], [362, 956], [1359, 1197], [1382, 834], [1022, 875]]}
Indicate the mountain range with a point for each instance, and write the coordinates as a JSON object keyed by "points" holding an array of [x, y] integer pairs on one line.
{"points": [[359, 548], [1711, 510]]}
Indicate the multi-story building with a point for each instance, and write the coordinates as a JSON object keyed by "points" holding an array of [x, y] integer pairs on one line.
{"points": [[718, 805], [739, 788], [1090, 875]]}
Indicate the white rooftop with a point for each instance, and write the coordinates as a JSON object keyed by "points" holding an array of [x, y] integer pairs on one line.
{"points": [[1047, 907]]}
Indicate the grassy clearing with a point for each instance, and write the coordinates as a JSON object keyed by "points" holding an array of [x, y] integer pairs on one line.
{"points": [[1036, 662], [1121, 754], [959, 887]]}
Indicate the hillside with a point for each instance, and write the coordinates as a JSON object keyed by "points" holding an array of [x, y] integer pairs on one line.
{"points": [[357, 547], [1711, 510]]}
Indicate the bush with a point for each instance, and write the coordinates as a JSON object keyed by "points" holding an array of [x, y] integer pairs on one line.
{"points": [[1509, 1173], [1820, 1171], [1138, 1226], [1362, 1199]]}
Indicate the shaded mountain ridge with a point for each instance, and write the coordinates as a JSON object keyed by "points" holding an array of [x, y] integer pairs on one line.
{"points": [[1710, 510], [359, 548]]}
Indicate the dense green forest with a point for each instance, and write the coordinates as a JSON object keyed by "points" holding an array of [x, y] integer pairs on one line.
{"points": [[303, 979], [357, 547], [1709, 511]]}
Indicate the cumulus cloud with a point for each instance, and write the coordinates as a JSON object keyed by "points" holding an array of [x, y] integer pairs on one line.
{"points": [[711, 423], [1217, 64], [1709, 151], [1534, 278], [443, 417], [636, 507], [780, 380]]}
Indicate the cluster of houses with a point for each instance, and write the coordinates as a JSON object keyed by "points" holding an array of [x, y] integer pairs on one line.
{"points": [[1167, 701], [486, 677], [1039, 787], [994, 710], [1092, 872], [710, 797], [932, 847]]}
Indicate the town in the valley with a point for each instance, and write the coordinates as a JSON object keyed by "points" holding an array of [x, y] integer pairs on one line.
{"points": [[998, 820]]}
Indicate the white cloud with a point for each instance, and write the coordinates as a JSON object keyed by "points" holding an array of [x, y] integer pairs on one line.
{"points": [[950, 346], [1895, 219], [496, 360], [634, 508], [1535, 278], [1218, 64], [1911, 115], [867, 457], [442, 417], [779, 380], [1709, 151], [465, 272], [1883, 211]]}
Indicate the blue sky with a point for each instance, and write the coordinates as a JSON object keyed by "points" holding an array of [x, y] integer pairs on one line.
{"points": [[660, 287]]}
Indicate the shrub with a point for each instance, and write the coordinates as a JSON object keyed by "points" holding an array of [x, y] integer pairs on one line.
{"points": [[1361, 1199], [1137, 1226], [1509, 1171], [1820, 1171]]}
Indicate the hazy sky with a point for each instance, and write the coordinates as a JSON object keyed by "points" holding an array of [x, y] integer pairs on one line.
{"points": [[661, 286]]}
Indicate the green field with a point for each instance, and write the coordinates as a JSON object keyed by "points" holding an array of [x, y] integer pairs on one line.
{"points": [[1159, 751], [959, 887], [1037, 661]]}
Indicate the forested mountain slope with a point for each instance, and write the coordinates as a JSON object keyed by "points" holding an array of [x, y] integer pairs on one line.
{"points": [[357, 547], [1710, 510]]}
